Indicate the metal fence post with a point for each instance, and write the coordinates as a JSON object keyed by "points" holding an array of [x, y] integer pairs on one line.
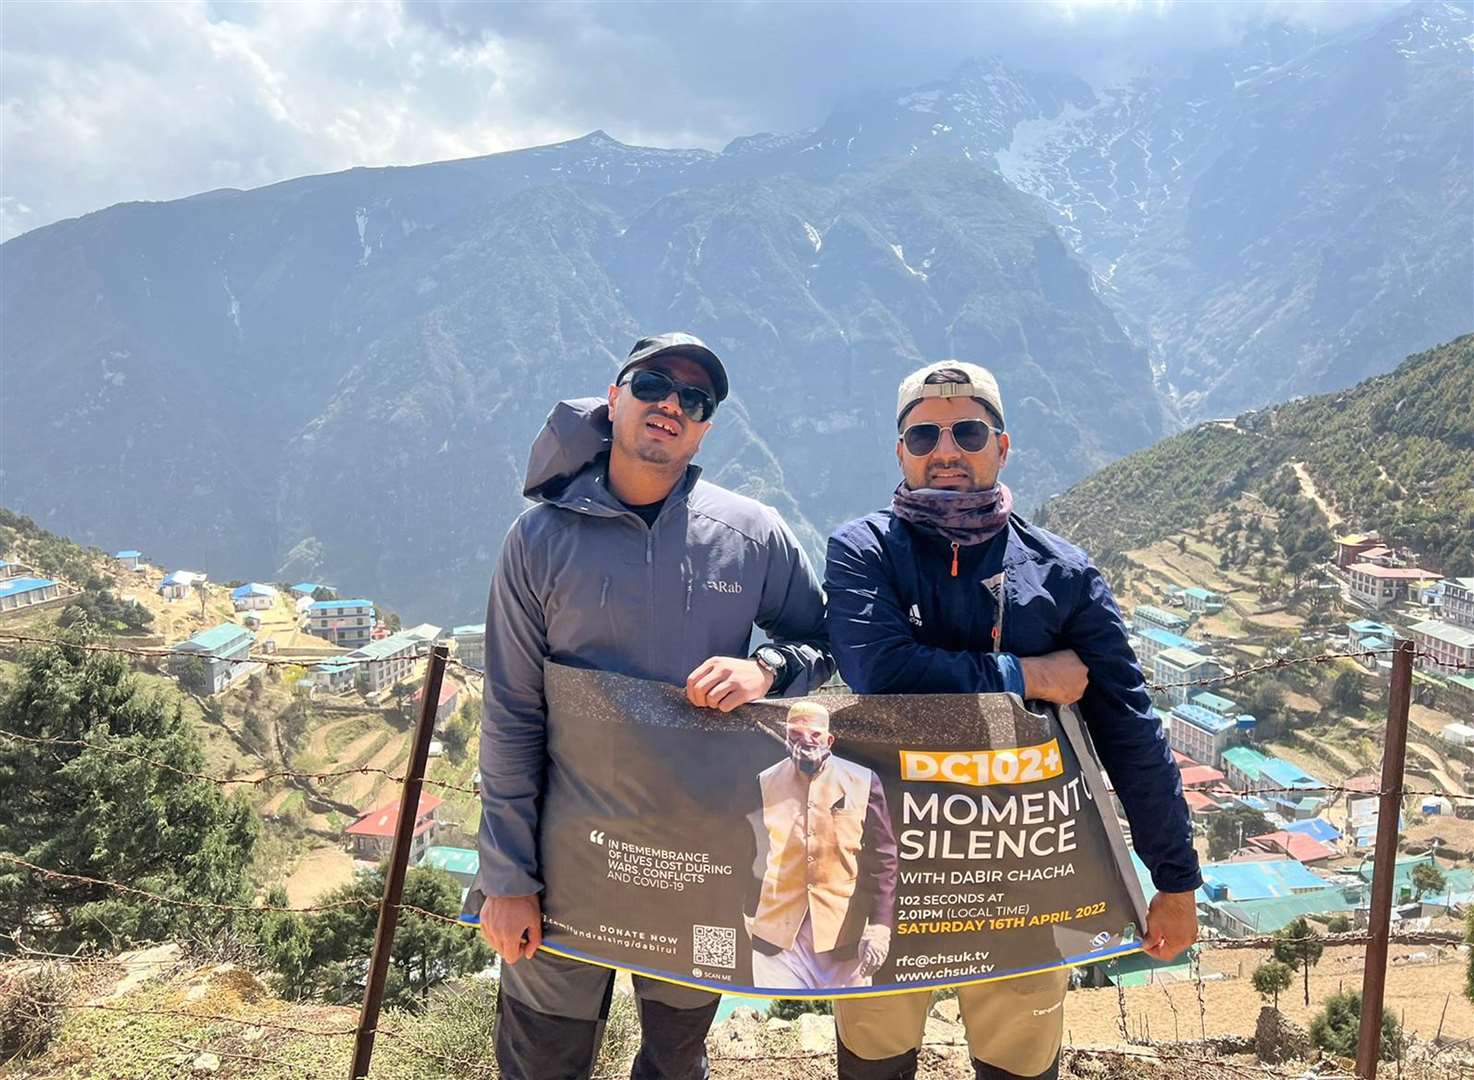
{"points": [[404, 831], [1384, 865]]}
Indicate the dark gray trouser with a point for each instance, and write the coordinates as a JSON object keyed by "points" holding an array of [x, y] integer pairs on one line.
{"points": [[903, 1067], [551, 1013]]}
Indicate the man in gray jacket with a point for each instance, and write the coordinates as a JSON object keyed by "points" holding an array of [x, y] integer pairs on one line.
{"points": [[630, 563]]}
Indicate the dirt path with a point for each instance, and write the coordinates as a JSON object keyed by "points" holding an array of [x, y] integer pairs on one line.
{"points": [[318, 873], [361, 787], [317, 746], [1437, 767], [1309, 490], [274, 804]]}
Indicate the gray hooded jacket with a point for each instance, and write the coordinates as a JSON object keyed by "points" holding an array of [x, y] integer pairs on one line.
{"points": [[583, 581]]}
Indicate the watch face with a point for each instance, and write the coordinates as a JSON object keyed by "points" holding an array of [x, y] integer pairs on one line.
{"points": [[771, 656]]}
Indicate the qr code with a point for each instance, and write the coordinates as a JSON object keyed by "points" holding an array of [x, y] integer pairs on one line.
{"points": [[714, 946]]}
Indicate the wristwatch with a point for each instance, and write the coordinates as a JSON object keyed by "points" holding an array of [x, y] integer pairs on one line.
{"points": [[774, 663]]}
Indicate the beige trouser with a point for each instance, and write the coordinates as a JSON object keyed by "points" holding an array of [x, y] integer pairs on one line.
{"points": [[1014, 1024]]}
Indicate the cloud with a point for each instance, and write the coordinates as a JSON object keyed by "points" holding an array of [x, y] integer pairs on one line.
{"points": [[102, 103]]}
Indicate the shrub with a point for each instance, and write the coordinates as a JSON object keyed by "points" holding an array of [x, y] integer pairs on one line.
{"points": [[1338, 1027], [458, 1023], [30, 1015]]}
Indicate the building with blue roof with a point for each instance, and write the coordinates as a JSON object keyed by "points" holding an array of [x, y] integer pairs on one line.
{"points": [[348, 623], [1202, 600], [1249, 770], [1200, 733], [1317, 829], [1260, 880], [1361, 628], [24, 592], [253, 596], [1153, 641], [471, 644], [178, 583], [1178, 670], [223, 650], [334, 675], [386, 661], [460, 863], [130, 558], [1148, 616], [305, 588], [1214, 703]]}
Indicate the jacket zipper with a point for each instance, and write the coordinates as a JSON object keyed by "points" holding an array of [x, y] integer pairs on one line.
{"points": [[997, 588], [955, 546]]}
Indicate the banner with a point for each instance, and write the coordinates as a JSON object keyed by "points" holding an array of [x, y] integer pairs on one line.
{"points": [[827, 845]]}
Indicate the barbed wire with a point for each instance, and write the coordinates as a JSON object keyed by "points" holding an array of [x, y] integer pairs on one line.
{"points": [[450, 785], [1351, 937], [199, 905], [274, 660], [265, 778], [255, 1022]]}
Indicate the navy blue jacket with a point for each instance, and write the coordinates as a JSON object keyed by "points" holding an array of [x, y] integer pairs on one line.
{"points": [[900, 622]]}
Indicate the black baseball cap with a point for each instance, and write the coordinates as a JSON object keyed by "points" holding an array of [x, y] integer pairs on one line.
{"points": [[678, 344]]}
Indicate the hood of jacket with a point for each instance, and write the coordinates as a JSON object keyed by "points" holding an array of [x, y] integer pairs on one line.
{"points": [[577, 431], [577, 434]]}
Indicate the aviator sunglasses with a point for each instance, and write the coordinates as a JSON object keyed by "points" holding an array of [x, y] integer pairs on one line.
{"points": [[651, 386], [971, 436]]}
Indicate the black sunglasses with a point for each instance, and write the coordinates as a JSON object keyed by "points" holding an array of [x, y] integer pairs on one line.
{"points": [[649, 386], [971, 436]]}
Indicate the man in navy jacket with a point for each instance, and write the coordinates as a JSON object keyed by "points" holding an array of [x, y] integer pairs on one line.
{"points": [[949, 592]]}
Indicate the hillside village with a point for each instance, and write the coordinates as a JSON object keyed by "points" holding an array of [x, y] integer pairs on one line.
{"points": [[345, 701]]}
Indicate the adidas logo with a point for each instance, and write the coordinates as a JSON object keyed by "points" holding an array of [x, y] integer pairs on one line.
{"points": [[915, 615]]}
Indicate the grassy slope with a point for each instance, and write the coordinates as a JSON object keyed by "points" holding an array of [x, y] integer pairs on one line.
{"points": [[1395, 453]]}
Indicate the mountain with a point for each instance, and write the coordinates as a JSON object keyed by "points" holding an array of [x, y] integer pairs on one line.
{"points": [[1395, 454], [1279, 218], [337, 377]]}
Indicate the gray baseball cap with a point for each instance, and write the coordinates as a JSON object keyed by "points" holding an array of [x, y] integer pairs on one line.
{"points": [[980, 384], [679, 344]]}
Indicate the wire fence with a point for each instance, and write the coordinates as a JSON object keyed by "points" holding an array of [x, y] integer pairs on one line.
{"points": [[1189, 1060]]}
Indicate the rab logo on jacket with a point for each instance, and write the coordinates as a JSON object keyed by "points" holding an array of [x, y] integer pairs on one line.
{"points": [[730, 587]]}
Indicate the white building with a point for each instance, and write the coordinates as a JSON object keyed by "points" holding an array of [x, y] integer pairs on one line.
{"points": [[387, 660], [1442, 645], [471, 645], [1382, 585], [253, 596], [1175, 668], [1458, 601], [1457, 734], [179, 584], [20, 592]]}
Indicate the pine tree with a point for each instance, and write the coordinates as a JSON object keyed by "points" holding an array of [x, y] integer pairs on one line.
{"points": [[86, 812], [1298, 946]]}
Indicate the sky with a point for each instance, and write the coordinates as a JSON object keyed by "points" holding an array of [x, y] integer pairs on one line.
{"points": [[105, 102]]}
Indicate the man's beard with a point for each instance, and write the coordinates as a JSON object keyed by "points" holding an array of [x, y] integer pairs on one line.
{"points": [[809, 759]]}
